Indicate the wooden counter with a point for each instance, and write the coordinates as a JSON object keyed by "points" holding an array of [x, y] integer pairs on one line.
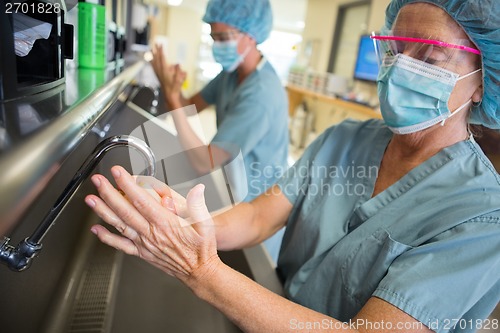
{"points": [[297, 94]]}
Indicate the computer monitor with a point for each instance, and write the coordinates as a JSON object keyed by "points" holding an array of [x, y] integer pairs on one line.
{"points": [[366, 68]]}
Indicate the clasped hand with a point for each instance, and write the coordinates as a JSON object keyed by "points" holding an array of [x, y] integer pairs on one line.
{"points": [[174, 234]]}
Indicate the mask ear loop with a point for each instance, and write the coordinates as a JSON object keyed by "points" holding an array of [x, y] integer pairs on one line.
{"points": [[460, 108], [248, 48], [240, 56], [467, 75]]}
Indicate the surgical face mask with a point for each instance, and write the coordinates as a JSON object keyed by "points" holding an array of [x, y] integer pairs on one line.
{"points": [[414, 94], [226, 54]]}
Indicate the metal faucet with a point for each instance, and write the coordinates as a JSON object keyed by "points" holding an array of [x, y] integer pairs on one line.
{"points": [[19, 258]]}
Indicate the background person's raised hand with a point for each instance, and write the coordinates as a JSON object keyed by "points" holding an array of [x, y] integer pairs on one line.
{"points": [[171, 77]]}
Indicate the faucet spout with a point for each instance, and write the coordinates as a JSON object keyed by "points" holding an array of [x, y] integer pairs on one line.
{"points": [[18, 258]]}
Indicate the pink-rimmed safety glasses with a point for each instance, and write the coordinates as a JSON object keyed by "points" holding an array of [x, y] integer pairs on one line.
{"points": [[433, 51]]}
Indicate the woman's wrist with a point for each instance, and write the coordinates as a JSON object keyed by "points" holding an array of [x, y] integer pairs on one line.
{"points": [[202, 280]]}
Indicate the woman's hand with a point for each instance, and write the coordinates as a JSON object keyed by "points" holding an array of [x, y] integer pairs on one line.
{"points": [[168, 198], [171, 77], [151, 230]]}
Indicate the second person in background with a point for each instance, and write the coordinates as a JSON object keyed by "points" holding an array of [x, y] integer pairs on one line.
{"points": [[250, 101]]}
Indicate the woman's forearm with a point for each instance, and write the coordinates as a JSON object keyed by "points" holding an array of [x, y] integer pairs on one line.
{"points": [[235, 227], [256, 309], [250, 223], [252, 307]]}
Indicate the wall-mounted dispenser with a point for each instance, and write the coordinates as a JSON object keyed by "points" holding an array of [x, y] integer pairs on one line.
{"points": [[34, 43], [92, 34]]}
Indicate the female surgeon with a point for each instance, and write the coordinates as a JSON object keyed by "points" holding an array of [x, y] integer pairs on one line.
{"points": [[412, 247]]}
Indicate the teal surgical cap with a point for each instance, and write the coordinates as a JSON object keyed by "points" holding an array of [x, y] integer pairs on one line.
{"points": [[253, 17], [480, 19]]}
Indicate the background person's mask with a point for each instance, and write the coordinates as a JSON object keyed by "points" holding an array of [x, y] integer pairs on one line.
{"points": [[226, 54]]}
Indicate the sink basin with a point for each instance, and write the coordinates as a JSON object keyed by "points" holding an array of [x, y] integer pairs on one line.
{"points": [[148, 300]]}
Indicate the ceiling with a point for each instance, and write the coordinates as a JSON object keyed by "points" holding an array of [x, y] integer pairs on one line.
{"points": [[288, 14]]}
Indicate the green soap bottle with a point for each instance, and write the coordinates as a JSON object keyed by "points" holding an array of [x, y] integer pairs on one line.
{"points": [[92, 34]]}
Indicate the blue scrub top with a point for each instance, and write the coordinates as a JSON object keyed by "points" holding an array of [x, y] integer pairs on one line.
{"points": [[429, 244], [253, 117]]}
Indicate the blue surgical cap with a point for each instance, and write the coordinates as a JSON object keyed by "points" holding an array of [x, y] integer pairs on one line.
{"points": [[253, 17], [480, 19]]}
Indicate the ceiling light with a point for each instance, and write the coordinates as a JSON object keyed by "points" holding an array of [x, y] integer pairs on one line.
{"points": [[174, 2]]}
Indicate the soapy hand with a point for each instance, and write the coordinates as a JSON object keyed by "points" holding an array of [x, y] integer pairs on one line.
{"points": [[171, 77], [155, 231], [163, 194]]}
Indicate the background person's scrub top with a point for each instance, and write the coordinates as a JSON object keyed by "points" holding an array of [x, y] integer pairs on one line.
{"points": [[253, 117], [421, 244]]}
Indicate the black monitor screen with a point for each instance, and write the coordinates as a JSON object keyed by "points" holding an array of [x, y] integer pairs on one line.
{"points": [[366, 62]]}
